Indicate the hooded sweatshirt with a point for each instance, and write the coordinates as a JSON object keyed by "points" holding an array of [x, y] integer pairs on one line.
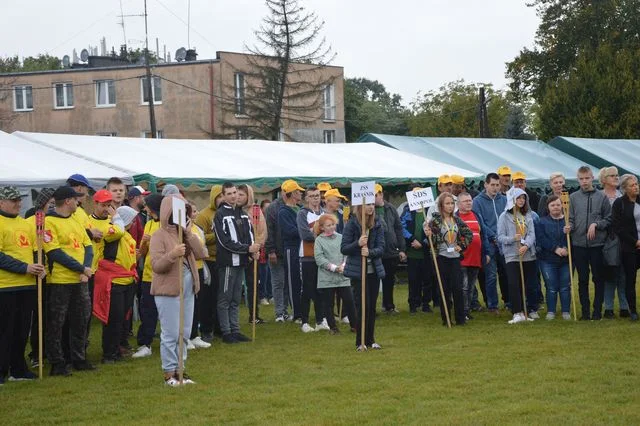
{"points": [[585, 208], [259, 227], [165, 266], [234, 236], [204, 220], [490, 209], [507, 223]]}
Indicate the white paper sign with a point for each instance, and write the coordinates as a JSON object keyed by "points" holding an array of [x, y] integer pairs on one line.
{"points": [[179, 211], [421, 198], [363, 189]]}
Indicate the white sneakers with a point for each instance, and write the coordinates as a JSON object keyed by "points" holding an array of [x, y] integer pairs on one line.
{"points": [[142, 352], [566, 316], [190, 345], [323, 325], [264, 301], [551, 316], [199, 343], [280, 318], [534, 315], [519, 317], [306, 328], [345, 320]]}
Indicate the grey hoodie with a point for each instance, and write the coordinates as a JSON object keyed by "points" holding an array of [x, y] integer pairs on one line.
{"points": [[507, 232], [587, 207]]}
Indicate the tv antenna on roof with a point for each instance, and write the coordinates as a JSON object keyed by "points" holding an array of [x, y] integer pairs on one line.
{"points": [[84, 55], [65, 61], [181, 54]]}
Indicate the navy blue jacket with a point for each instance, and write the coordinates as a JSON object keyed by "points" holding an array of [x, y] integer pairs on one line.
{"points": [[549, 237], [350, 248], [288, 226]]}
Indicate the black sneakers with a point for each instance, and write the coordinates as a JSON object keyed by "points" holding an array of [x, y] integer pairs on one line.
{"points": [[229, 338], [241, 337], [83, 366], [60, 370]]}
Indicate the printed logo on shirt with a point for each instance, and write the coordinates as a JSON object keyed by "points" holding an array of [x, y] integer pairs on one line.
{"points": [[75, 243], [111, 230], [47, 237], [132, 248], [22, 239]]}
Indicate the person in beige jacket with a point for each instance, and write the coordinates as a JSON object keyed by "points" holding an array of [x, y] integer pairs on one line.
{"points": [[166, 251], [246, 200]]}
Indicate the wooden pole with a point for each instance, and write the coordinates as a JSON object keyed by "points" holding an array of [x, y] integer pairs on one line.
{"points": [[565, 206], [443, 300], [181, 345], [363, 278], [256, 219], [522, 282], [39, 236]]}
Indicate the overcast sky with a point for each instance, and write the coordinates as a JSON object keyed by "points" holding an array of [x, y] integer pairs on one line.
{"points": [[408, 45]]}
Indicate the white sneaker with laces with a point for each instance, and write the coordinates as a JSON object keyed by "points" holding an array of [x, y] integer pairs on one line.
{"points": [[264, 301], [190, 345], [142, 352], [199, 343], [324, 325], [551, 316], [298, 321], [280, 318], [172, 381], [376, 346], [566, 316], [519, 317], [306, 328], [534, 315], [345, 320]]}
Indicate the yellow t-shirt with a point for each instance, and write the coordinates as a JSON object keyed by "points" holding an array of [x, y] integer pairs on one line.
{"points": [[67, 234], [17, 239], [110, 233], [198, 233], [149, 228], [81, 217], [123, 252]]}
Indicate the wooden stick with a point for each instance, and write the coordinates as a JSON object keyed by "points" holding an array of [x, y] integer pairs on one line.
{"points": [[565, 206], [522, 282], [256, 219], [443, 300], [363, 277], [181, 345], [39, 242]]}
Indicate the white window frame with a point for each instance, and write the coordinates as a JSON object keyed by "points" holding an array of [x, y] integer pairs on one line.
{"points": [[147, 134], [67, 87], [22, 89], [241, 133], [154, 94], [329, 136], [107, 134], [105, 83], [239, 91], [329, 97]]}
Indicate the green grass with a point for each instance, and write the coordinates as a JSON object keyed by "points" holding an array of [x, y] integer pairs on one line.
{"points": [[488, 372]]}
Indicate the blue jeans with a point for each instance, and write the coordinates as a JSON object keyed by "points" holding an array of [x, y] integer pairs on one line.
{"points": [[556, 280], [264, 284], [491, 281], [615, 282]]}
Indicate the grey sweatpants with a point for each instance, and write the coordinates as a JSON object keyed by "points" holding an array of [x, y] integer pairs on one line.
{"points": [[278, 288], [229, 295]]}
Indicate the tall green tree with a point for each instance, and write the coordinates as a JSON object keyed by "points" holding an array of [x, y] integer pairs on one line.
{"points": [[453, 111], [370, 108], [42, 62]]}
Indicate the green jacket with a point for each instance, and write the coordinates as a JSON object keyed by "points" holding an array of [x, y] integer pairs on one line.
{"points": [[328, 256]]}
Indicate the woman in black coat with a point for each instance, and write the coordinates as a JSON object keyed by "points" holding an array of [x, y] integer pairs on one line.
{"points": [[371, 245], [625, 216]]}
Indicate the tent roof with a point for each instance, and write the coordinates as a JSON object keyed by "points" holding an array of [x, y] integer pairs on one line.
{"points": [[535, 158], [33, 165], [195, 164], [622, 153]]}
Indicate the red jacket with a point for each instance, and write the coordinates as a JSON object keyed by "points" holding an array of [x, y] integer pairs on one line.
{"points": [[107, 271]]}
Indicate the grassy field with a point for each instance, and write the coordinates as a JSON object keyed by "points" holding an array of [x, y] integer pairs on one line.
{"points": [[488, 372]]}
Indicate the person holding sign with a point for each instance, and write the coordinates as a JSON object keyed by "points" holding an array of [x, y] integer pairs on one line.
{"points": [[370, 244], [166, 252], [517, 238], [450, 237]]}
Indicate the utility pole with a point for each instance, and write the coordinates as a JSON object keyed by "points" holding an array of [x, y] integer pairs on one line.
{"points": [[149, 88], [483, 116]]}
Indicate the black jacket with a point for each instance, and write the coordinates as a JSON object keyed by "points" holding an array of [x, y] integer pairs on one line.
{"points": [[394, 241], [234, 235], [624, 223], [350, 248]]}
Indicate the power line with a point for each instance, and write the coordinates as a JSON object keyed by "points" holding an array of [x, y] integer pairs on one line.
{"points": [[187, 24], [9, 89]]}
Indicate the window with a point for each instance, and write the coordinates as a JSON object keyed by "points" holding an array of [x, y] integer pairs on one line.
{"points": [[105, 93], [329, 102], [156, 87], [108, 134], [23, 98], [239, 92], [241, 133], [147, 134], [329, 136], [63, 95]]}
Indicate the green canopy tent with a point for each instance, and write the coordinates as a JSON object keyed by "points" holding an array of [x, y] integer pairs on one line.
{"points": [[622, 153], [535, 158]]}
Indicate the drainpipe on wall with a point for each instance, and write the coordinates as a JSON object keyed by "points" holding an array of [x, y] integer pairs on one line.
{"points": [[211, 99]]}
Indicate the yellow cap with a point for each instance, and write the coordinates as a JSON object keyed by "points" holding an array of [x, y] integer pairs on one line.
{"points": [[444, 179], [290, 185], [378, 188], [324, 186], [519, 175], [333, 192], [504, 170], [457, 179]]}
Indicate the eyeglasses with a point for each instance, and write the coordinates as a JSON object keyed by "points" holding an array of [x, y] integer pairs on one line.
{"points": [[613, 175]]}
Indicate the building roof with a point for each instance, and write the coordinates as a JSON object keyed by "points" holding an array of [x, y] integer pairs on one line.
{"points": [[622, 153], [535, 158]]}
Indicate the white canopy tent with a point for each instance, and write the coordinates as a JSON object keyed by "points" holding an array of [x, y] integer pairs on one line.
{"points": [[197, 164]]}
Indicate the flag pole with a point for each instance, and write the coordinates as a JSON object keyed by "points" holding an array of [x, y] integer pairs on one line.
{"points": [[443, 300], [181, 345], [564, 196], [39, 243]]}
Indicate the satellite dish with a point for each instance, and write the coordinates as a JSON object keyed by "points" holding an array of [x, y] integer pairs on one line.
{"points": [[65, 61], [181, 54], [84, 55]]}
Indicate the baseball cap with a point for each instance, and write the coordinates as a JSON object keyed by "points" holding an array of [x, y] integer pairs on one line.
{"points": [[291, 185], [333, 192], [65, 192], [519, 175], [43, 198], [102, 196], [79, 180], [9, 193], [136, 191], [153, 202], [457, 179], [504, 170], [445, 179], [378, 188], [324, 186]]}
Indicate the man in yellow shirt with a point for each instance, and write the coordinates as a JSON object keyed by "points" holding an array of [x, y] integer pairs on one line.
{"points": [[69, 257], [17, 285]]}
